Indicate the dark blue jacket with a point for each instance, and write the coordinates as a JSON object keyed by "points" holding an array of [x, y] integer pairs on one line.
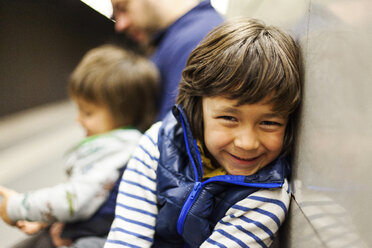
{"points": [[189, 208]]}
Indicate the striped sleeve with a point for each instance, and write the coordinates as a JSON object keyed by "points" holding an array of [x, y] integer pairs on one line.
{"points": [[253, 221], [136, 210]]}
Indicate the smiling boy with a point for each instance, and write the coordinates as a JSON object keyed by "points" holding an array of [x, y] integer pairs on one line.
{"points": [[242, 139]]}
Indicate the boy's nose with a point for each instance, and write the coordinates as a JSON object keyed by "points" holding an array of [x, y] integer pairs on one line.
{"points": [[247, 140], [122, 23]]}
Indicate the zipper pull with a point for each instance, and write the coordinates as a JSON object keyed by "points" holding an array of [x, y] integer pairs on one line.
{"points": [[195, 190]]}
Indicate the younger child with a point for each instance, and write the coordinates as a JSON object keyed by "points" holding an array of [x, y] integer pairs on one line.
{"points": [[115, 92], [214, 172]]}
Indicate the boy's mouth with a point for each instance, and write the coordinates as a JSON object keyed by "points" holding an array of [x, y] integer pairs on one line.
{"points": [[245, 159]]}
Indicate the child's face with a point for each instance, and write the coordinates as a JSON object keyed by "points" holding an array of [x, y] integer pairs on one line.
{"points": [[94, 118], [245, 138]]}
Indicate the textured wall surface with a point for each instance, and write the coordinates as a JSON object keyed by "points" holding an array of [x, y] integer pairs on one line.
{"points": [[332, 189]]}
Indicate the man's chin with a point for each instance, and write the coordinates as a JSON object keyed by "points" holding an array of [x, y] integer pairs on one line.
{"points": [[141, 38], [130, 42]]}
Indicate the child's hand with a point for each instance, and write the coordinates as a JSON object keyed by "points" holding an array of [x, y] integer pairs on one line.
{"points": [[29, 227], [55, 233], [6, 194]]}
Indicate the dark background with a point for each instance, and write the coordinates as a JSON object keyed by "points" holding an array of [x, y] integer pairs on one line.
{"points": [[41, 42]]}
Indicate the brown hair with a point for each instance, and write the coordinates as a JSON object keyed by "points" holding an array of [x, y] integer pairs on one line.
{"points": [[245, 60], [125, 82]]}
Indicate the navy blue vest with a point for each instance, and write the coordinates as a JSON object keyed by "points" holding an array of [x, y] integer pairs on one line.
{"points": [[189, 208]]}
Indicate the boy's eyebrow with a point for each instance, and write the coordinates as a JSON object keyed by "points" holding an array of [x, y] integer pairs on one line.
{"points": [[232, 110], [265, 115], [273, 115], [227, 109]]}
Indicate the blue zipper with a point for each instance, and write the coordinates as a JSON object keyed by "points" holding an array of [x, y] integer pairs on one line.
{"points": [[240, 181], [197, 185], [186, 207]]}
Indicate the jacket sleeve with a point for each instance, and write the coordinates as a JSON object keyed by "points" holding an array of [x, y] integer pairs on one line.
{"points": [[136, 209], [253, 221], [88, 187]]}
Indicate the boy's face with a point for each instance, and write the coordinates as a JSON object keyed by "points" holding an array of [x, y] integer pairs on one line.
{"points": [[94, 118], [245, 138]]}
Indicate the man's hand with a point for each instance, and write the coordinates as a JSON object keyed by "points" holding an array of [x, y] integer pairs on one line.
{"points": [[6, 193]]}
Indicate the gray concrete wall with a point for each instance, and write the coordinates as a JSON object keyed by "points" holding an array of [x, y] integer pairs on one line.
{"points": [[332, 189]]}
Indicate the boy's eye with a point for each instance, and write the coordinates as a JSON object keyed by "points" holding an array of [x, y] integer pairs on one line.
{"points": [[271, 123], [87, 113], [227, 118]]}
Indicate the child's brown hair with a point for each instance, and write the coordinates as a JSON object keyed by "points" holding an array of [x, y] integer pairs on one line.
{"points": [[244, 60], [125, 82]]}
